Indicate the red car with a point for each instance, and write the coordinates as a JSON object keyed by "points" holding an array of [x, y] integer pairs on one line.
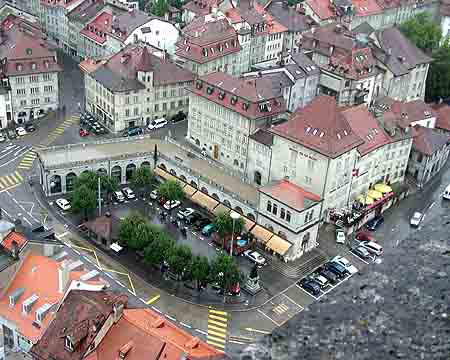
{"points": [[84, 132], [362, 236]]}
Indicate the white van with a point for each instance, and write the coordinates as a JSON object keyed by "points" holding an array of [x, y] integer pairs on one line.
{"points": [[157, 124], [446, 194], [372, 247]]}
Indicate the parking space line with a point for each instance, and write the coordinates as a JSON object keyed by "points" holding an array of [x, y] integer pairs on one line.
{"points": [[306, 292], [156, 309], [108, 275], [356, 256], [287, 297], [201, 331], [268, 317]]}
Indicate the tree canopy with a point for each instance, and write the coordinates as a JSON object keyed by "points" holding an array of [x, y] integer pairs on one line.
{"points": [[225, 271], [224, 224], [142, 178], [423, 32], [159, 8], [200, 269], [171, 190], [83, 200]]}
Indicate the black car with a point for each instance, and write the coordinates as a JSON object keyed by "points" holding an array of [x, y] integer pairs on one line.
{"points": [[200, 224], [179, 117], [327, 274], [29, 127], [310, 285], [337, 269], [133, 131], [11, 134], [373, 224], [192, 219]]}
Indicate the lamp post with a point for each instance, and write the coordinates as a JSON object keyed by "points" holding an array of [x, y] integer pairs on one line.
{"points": [[234, 215]]}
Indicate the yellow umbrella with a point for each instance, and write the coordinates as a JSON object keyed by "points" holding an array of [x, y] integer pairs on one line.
{"points": [[383, 188], [365, 200], [375, 194]]}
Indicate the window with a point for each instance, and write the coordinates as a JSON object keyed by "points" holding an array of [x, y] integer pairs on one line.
{"points": [[419, 158], [164, 94], [35, 102], [164, 106], [173, 92], [34, 78], [35, 90], [127, 112], [156, 107], [136, 111], [23, 102], [20, 91], [48, 88], [347, 83], [288, 216], [33, 66], [180, 103], [282, 213], [269, 206], [68, 344], [274, 209], [20, 80], [172, 104], [127, 100], [308, 180], [310, 164], [47, 99]]}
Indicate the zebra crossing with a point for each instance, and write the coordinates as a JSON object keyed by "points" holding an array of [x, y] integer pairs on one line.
{"points": [[217, 328], [59, 131], [27, 161], [10, 180]]}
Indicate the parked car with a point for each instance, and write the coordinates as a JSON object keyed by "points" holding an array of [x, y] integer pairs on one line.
{"points": [[30, 127], [330, 276], [321, 280], [20, 131], [157, 124], [363, 236], [373, 224], [346, 264], [179, 117], [337, 269], [172, 204], [446, 193], [133, 131], [118, 196], [416, 219], [129, 194], [63, 204], [200, 224], [11, 134], [2, 137], [182, 214], [362, 252], [340, 236], [193, 218], [372, 247], [83, 132], [209, 229], [154, 194], [310, 286], [255, 257]]}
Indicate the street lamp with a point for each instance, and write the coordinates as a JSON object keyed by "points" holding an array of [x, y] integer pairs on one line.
{"points": [[234, 215]]}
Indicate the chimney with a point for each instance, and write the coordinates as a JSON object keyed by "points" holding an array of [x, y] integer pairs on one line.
{"points": [[63, 277], [124, 350]]}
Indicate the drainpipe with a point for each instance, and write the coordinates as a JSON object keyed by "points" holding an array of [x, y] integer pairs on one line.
{"points": [[326, 180]]}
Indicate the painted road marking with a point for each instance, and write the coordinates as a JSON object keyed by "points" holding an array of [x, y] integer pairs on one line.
{"points": [[201, 332], [268, 317], [217, 328], [287, 297], [240, 340], [171, 317], [153, 299], [280, 309], [157, 310], [258, 331], [185, 325]]}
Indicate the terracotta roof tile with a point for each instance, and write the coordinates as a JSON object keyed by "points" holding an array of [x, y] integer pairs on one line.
{"points": [[321, 127], [98, 29], [358, 64], [412, 111], [443, 116], [366, 7], [290, 194], [322, 8]]}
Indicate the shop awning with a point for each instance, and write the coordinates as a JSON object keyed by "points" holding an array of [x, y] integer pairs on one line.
{"points": [[365, 199], [279, 245], [221, 208], [262, 234], [189, 190], [116, 247], [248, 224], [164, 174], [375, 194], [383, 188], [204, 200]]}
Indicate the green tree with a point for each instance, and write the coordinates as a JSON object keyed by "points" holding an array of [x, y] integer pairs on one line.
{"points": [[159, 249], [142, 179], [438, 80], [108, 184], [423, 32], [127, 229], [225, 271], [83, 200], [171, 190], [224, 224], [200, 270], [159, 8], [180, 259], [88, 179]]}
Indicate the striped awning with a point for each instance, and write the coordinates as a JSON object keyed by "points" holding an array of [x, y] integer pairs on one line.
{"points": [[261, 233], [164, 174], [279, 245], [204, 200]]}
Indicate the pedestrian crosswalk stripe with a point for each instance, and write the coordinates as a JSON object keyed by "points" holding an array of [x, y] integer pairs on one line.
{"points": [[217, 312], [216, 339], [215, 327], [16, 180], [218, 318], [215, 333], [222, 346], [217, 323], [9, 180], [19, 176]]}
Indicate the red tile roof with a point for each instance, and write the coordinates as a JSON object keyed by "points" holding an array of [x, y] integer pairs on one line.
{"points": [[57, 3], [98, 28], [412, 111], [322, 38], [366, 127], [20, 240], [443, 114], [273, 26], [200, 7], [37, 275], [321, 127], [428, 141], [290, 194], [358, 64], [142, 331], [232, 93], [366, 7], [322, 8]]}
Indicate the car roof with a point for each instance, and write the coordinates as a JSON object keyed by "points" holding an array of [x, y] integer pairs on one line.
{"points": [[417, 213]]}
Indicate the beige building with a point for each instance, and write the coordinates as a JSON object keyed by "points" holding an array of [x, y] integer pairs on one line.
{"points": [[134, 87], [224, 110]]}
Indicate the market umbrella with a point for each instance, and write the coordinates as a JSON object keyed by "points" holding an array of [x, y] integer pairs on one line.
{"points": [[375, 194], [383, 188], [366, 200]]}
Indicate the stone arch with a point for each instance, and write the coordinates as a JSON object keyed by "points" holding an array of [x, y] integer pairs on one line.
{"points": [[145, 164], [269, 227], [197, 142], [130, 169], [70, 179], [183, 178], [205, 190], [194, 184], [282, 235], [239, 210], [257, 178], [227, 203], [215, 196], [251, 217], [173, 172], [235, 162], [163, 166], [305, 241], [116, 172], [102, 172], [55, 184]]}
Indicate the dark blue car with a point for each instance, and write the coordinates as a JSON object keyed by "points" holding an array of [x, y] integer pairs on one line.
{"points": [[310, 285], [373, 224]]}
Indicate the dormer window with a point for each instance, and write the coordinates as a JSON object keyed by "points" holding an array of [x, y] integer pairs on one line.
{"points": [[33, 66], [68, 344], [221, 94], [210, 90], [245, 105], [29, 51], [227, 45], [46, 63], [264, 107], [205, 52], [199, 84], [233, 100], [220, 47], [19, 67], [212, 50]]}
